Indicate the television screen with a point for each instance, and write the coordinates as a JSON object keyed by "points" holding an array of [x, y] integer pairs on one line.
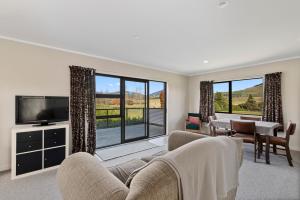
{"points": [[38, 109]]}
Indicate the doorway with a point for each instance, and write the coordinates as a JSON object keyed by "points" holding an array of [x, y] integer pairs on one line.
{"points": [[128, 109]]}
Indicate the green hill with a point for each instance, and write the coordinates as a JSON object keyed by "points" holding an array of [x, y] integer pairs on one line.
{"points": [[255, 91]]}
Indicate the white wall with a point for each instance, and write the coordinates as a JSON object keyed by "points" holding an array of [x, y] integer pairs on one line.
{"points": [[290, 88], [32, 70]]}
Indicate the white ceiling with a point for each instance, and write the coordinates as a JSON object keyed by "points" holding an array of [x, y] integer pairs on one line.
{"points": [[172, 35]]}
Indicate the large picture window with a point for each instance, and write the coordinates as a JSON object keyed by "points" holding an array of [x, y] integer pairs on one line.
{"points": [[239, 96]]}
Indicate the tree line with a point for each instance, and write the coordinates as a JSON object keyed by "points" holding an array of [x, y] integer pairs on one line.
{"points": [[221, 104]]}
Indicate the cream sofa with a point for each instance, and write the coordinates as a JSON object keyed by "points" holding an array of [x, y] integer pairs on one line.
{"points": [[82, 177]]}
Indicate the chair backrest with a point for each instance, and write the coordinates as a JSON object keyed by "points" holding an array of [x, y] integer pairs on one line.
{"points": [[250, 118], [194, 115], [211, 127], [211, 118], [243, 127], [291, 129]]}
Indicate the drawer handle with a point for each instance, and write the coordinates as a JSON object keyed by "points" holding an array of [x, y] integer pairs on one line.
{"points": [[18, 165], [45, 159], [29, 136], [54, 133], [29, 146]]}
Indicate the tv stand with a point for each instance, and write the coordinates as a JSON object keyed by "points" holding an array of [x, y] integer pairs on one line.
{"points": [[38, 149], [43, 124]]}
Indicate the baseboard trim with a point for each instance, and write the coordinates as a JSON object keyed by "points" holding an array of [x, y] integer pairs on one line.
{"points": [[4, 167]]}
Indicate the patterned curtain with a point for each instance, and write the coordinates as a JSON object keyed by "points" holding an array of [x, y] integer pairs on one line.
{"points": [[206, 99], [83, 113], [272, 111]]}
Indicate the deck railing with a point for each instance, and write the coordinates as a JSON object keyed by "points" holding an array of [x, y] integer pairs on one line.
{"points": [[133, 116]]}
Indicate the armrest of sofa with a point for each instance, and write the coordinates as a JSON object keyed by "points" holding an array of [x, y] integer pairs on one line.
{"points": [[179, 138], [82, 177]]}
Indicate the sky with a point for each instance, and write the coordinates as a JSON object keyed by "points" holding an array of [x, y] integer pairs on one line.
{"points": [[111, 85], [237, 85]]}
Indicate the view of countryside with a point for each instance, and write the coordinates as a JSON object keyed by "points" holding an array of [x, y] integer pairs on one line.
{"points": [[135, 103], [247, 97], [109, 109], [134, 108]]}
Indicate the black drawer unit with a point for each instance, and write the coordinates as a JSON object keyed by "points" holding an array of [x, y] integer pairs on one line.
{"points": [[38, 149], [29, 141], [54, 137], [53, 157], [29, 162]]}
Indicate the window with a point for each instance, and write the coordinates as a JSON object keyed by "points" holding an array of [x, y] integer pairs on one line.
{"points": [[239, 96], [107, 85], [128, 109], [221, 97]]}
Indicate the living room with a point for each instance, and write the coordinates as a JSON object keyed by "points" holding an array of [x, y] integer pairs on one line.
{"points": [[149, 73]]}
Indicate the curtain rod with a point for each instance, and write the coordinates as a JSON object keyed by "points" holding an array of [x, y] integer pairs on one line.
{"points": [[256, 77], [253, 77]]}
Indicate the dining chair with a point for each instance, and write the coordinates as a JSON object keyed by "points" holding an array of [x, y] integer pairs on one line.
{"points": [[214, 131], [245, 131], [281, 141], [250, 118]]}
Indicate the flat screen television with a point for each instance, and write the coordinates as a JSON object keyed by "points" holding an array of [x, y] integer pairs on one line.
{"points": [[42, 110]]}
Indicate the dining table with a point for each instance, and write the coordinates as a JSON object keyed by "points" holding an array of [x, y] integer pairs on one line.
{"points": [[267, 129]]}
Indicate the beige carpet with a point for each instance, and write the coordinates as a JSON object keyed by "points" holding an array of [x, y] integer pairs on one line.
{"points": [[258, 181]]}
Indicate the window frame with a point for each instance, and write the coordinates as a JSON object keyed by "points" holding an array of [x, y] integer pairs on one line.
{"points": [[121, 96], [230, 95]]}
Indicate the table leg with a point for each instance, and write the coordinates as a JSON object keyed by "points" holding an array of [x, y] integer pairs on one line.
{"points": [[274, 146], [214, 131], [267, 149]]}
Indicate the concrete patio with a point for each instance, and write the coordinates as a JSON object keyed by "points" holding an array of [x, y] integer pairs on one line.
{"points": [[111, 136]]}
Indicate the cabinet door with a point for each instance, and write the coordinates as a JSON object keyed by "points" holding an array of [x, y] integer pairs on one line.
{"points": [[54, 137], [29, 141], [53, 157], [28, 162]]}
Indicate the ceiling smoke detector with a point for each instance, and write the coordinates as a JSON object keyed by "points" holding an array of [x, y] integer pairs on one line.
{"points": [[205, 61], [223, 3]]}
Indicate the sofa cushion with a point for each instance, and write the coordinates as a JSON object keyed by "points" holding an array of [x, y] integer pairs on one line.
{"points": [[149, 158], [194, 120], [192, 126], [155, 181], [178, 138], [82, 177], [122, 171]]}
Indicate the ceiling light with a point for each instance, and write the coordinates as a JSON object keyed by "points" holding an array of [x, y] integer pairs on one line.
{"points": [[223, 3], [205, 61]]}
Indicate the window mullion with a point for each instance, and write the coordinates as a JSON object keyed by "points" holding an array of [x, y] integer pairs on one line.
{"points": [[230, 96]]}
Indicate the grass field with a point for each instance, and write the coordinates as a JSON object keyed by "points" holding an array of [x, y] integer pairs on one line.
{"points": [[240, 100], [244, 112], [134, 110], [247, 112]]}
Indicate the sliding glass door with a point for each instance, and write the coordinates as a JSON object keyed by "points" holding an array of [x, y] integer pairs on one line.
{"points": [[108, 111], [157, 108], [129, 109], [135, 110]]}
